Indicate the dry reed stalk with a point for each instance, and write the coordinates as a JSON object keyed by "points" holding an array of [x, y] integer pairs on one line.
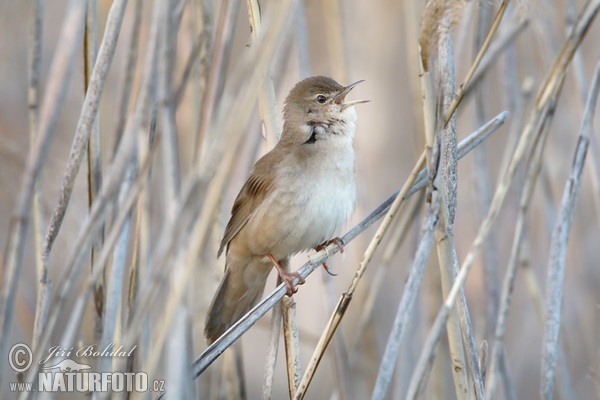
{"points": [[445, 178], [86, 120], [482, 182], [219, 59], [272, 350], [267, 103], [126, 85], [94, 153], [558, 247], [292, 344], [33, 95]]}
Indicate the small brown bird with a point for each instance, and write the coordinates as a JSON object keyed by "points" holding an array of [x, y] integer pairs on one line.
{"points": [[298, 196]]}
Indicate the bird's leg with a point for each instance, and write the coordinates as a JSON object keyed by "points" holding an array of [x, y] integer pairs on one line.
{"points": [[287, 277], [323, 246]]}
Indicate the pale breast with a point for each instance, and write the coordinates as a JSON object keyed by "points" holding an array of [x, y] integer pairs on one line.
{"points": [[313, 206]]}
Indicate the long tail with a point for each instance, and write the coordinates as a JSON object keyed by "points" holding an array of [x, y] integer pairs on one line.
{"points": [[239, 291]]}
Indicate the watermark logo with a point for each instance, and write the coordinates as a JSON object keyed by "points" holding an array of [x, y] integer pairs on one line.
{"points": [[20, 357], [59, 372], [68, 365]]}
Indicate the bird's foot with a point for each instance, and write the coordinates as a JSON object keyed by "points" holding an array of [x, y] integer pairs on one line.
{"points": [[323, 246], [287, 277]]}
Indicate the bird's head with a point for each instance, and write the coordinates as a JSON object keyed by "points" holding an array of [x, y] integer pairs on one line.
{"points": [[316, 108]]}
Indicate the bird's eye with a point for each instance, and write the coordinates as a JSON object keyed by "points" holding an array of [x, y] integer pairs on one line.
{"points": [[321, 99]]}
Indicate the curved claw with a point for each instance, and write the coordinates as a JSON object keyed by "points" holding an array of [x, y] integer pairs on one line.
{"points": [[287, 277], [323, 246], [326, 267]]}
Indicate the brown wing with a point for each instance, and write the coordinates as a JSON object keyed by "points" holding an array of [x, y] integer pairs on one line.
{"points": [[251, 196]]}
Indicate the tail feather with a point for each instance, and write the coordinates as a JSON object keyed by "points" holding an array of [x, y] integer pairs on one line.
{"points": [[234, 298]]}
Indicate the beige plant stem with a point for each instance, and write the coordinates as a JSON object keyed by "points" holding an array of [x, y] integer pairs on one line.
{"points": [[126, 85], [558, 247], [272, 350], [35, 58], [85, 124], [292, 343], [446, 179], [218, 65], [267, 103], [94, 153]]}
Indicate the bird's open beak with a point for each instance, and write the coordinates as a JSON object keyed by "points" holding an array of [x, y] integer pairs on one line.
{"points": [[339, 99]]}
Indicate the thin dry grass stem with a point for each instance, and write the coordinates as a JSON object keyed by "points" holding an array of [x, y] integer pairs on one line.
{"points": [[267, 103], [219, 58], [482, 184], [54, 99], [85, 123], [579, 72], [558, 247], [578, 63], [218, 347], [595, 175], [170, 147], [410, 22], [272, 350], [111, 321], [200, 44], [129, 72], [94, 153], [292, 343], [33, 96], [517, 123]]}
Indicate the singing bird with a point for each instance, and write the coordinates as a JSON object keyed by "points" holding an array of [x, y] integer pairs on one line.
{"points": [[298, 197]]}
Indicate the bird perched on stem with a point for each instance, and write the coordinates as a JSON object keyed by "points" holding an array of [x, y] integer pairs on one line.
{"points": [[298, 196]]}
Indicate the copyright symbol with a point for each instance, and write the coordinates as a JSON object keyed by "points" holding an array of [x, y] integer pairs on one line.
{"points": [[20, 357]]}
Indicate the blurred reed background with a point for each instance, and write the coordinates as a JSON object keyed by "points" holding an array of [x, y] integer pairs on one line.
{"points": [[113, 202]]}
